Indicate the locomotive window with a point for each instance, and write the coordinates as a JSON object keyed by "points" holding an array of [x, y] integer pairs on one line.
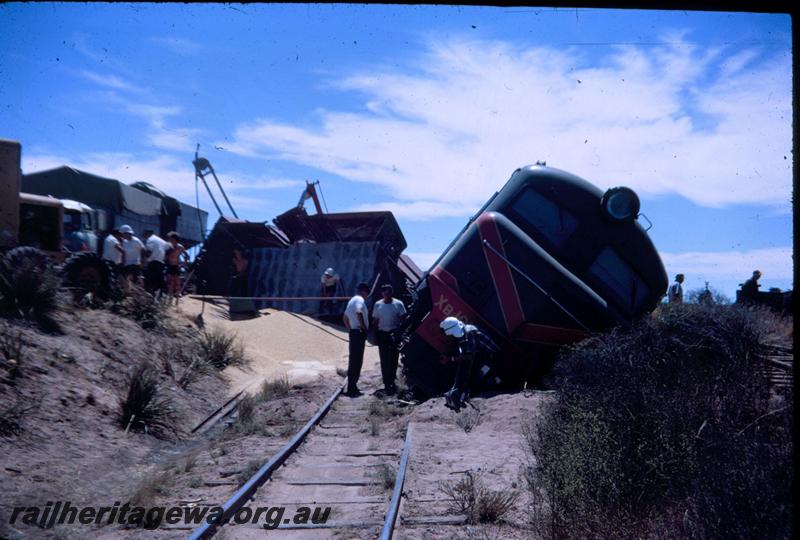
{"points": [[624, 286], [544, 216]]}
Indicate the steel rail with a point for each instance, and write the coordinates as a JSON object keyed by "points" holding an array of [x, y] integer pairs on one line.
{"points": [[224, 410], [243, 494], [394, 504]]}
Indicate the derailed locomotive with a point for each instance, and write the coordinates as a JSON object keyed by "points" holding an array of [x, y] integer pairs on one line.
{"points": [[548, 260]]}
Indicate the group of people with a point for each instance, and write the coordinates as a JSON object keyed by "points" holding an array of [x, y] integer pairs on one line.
{"points": [[156, 262], [386, 317], [749, 290], [470, 348]]}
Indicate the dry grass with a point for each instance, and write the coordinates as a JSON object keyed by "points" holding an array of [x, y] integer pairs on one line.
{"points": [[11, 420], [381, 410], [141, 306], [275, 389], [468, 419], [221, 350], [479, 504], [386, 476], [12, 349], [29, 287], [245, 474], [144, 407]]}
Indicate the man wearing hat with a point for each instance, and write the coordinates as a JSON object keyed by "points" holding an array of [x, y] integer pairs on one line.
{"points": [[387, 315], [471, 348], [329, 284], [132, 248]]}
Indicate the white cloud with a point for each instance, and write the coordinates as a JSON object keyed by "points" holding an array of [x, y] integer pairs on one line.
{"points": [[452, 129], [423, 259], [774, 263], [160, 132], [110, 81]]}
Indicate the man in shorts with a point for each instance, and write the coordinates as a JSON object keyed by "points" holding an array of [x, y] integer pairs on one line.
{"points": [[175, 252]]}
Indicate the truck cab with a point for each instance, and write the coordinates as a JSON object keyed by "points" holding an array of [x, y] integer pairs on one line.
{"points": [[80, 226]]}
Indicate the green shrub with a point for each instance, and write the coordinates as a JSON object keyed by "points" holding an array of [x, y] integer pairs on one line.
{"points": [[222, 350], [29, 287], [479, 504], [275, 389], [141, 306], [668, 428], [12, 350], [143, 407]]}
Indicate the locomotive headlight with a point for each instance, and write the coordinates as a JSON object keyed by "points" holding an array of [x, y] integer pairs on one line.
{"points": [[620, 204]]}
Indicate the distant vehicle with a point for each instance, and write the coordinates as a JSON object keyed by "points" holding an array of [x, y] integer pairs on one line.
{"points": [[548, 260], [64, 230]]}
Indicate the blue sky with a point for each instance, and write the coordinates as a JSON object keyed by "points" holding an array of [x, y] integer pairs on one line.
{"points": [[424, 110]]}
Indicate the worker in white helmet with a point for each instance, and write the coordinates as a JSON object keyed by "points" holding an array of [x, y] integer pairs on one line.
{"points": [[329, 286], [470, 347]]}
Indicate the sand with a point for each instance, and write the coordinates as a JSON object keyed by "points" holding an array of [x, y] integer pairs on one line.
{"points": [[281, 344]]}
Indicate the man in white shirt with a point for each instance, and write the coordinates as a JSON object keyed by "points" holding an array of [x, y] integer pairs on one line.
{"points": [[387, 315], [112, 248], [155, 250], [132, 248], [356, 320], [675, 291]]}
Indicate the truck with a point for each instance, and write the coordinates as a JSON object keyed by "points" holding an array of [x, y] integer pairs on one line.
{"points": [[549, 260], [66, 231]]}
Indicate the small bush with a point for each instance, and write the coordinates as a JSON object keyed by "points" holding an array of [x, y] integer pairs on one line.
{"points": [[222, 350], [470, 497], [29, 287], [374, 427], [190, 361], [275, 389], [10, 420], [246, 409], [382, 410], [468, 419], [143, 407], [141, 306], [386, 476], [154, 484], [667, 429], [245, 474], [11, 348]]}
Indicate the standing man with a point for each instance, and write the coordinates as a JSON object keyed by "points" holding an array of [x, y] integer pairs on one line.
{"points": [[132, 248], [356, 320], [329, 285], [112, 249], [750, 287], [387, 315], [675, 291], [173, 261], [156, 249], [470, 347]]}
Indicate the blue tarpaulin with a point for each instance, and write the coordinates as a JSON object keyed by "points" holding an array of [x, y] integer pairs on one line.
{"points": [[295, 271]]}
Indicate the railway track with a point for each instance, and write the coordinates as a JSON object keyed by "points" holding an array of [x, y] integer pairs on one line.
{"points": [[350, 481], [779, 367]]}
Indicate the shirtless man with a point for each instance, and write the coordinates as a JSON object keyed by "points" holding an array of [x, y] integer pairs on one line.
{"points": [[173, 261]]}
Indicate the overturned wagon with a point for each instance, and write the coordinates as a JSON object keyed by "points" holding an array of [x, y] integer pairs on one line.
{"points": [[548, 260]]}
